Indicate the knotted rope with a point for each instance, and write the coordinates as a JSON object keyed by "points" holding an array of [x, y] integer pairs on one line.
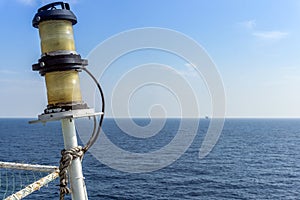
{"points": [[67, 157]]}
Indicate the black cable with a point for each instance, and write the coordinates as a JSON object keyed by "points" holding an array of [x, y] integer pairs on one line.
{"points": [[95, 133]]}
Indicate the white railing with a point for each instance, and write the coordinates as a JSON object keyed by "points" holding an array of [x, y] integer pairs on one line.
{"points": [[53, 170]]}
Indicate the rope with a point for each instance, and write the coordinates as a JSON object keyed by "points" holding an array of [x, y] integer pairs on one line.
{"points": [[65, 162], [78, 152]]}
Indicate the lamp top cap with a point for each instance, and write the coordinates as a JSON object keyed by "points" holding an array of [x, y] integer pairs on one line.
{"points": [[51, 12]]}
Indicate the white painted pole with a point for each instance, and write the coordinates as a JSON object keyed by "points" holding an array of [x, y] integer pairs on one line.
{"points": [[78, 189]]}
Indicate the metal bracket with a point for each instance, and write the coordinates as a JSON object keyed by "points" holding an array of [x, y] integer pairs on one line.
{"points": [[71, 114]]}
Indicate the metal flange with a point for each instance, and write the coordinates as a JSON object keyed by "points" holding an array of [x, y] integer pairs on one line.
{"points": [[71, 114]]}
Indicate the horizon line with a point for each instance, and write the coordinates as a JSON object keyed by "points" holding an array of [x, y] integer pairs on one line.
{"points": [[174, 117]]}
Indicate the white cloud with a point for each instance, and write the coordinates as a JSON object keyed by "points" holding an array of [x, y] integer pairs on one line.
{"points": [[27, 2], [250, 24], [270, 35], [190, 65], [190, 71]]}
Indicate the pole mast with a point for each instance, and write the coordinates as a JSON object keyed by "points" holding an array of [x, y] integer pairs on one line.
{"points": [[60, 64], [78, 189]]}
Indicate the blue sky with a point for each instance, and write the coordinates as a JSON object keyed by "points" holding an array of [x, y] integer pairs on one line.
{"points": [[255, 45]]}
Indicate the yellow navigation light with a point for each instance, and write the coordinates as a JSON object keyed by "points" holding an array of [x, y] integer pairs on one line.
{"points": [[59, 62], [63, 87], [56, 35]]}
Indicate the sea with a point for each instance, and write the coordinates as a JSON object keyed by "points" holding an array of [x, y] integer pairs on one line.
{"points": [[253, 159]]}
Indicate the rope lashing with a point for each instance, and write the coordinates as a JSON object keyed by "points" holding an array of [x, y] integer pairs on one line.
{"points": [[66, 160], [78, 152]]}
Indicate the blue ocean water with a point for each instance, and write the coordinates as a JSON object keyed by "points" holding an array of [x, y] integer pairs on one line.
{"points": [[253, 159]]}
